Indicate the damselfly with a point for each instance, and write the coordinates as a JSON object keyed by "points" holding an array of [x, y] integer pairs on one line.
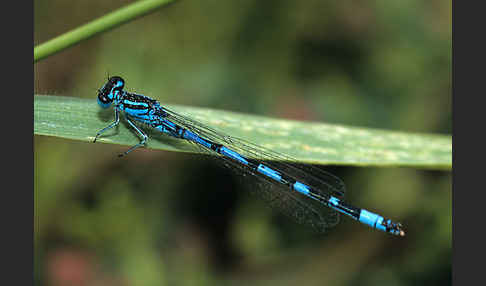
{"points": [[308, 194]]}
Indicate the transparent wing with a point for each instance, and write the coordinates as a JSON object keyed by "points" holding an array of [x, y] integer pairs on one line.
{"points": [[297, 206]]}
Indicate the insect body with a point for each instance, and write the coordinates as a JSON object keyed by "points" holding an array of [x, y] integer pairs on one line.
{"points": [[309, 195]]}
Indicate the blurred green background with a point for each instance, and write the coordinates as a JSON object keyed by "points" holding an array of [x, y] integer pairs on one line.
{"points": [[167, 218]]}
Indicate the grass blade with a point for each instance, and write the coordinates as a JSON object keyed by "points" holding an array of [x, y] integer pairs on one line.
{"points": [[307, 142], [109, 21]]}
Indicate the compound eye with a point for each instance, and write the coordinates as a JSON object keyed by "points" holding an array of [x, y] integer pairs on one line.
{"points": [[106, 94], [103, 98]]}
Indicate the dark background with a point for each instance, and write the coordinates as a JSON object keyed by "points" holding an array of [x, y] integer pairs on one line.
{"points": [[157, 218]]}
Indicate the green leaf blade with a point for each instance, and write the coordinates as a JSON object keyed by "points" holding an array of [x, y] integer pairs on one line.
{"points": [[307, 142]]}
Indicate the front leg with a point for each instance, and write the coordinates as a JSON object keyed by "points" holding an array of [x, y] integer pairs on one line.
{"points": [[117, 120]]}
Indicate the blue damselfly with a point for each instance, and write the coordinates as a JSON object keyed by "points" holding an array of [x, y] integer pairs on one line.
{"points": [[308, 194]]}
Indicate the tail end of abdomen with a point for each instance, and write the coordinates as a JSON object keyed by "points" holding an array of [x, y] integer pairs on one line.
{"points": [[376, 221]]}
